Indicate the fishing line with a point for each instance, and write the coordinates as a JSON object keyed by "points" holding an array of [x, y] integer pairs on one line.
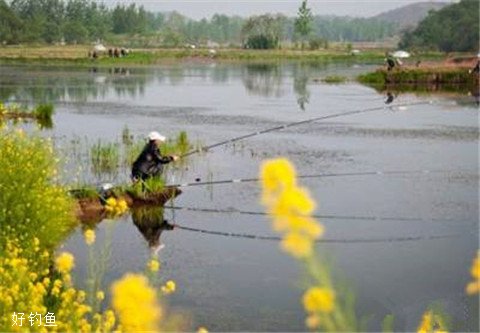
{"points": [[317, 216], [297, 123], [324, 240], [313, 176], [321, 175]]}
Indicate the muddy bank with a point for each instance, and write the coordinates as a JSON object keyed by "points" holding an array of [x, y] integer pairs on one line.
{"points": [[92, 210]]}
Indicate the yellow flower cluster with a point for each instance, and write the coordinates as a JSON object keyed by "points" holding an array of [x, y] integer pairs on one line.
{"points": [[65, 262], [291, 209], [26, 286], [30, 204], [318, 300], [116, 207], [153, 265], [431, 323], [290, 206], [202, 330], [89, 236], [474, 286], [169, 287], [136, 304]]}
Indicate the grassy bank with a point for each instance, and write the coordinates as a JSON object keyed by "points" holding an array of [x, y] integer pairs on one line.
{"points": [[430, 78], [78, 55]]}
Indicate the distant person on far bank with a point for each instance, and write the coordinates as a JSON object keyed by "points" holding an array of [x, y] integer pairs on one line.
{"points": [[476, 69], [391, 62], [150, 161]]}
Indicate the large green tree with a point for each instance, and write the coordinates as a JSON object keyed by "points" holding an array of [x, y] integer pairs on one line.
{"points": [[10, 24], [303, 22], [453, 28], [263, 32]]}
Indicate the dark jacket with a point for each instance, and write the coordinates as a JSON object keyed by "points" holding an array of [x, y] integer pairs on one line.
{"points": [[150, 161]]}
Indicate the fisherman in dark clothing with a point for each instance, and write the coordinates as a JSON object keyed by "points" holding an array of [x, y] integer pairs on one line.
{"points": [[150, 162], [390, 63]]}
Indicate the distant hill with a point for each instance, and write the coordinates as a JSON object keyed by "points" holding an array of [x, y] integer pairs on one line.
{"points": [[409, 16]]}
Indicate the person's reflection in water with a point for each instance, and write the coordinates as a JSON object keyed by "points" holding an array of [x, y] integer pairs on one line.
{"points": [[390, 98], [149, 221]]}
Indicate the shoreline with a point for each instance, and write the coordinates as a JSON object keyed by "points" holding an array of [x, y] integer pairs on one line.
{"points": [[78, 56]]}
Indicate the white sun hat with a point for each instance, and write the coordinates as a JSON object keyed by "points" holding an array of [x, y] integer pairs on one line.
{"points": [[154, 136]]}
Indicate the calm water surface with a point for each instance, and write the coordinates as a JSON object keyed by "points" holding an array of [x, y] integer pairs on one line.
{"points": [[420, 254]]}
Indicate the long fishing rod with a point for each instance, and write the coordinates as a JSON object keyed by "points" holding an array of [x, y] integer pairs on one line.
{"points": [[317, 216], [297, 123], [322, 240], [198, 182], [321, 175]]}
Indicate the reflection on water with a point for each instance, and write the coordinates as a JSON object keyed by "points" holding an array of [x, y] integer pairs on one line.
{"points": [[301, 78], [25, 84], [263, 79], [389, 98], [149, 221]]}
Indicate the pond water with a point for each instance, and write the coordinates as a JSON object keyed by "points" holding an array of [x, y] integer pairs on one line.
{"points": [[401, 240]]}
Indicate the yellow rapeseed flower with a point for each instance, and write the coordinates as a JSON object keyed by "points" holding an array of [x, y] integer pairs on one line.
{"points": [[65, 262], [474, 286], [153, 265], [276, 175], [202, 330], [136, 304], [431, 322], [426, 324], [297, 245], [111, 202], [319, 300], [306, 225], [122, 205], [100, 295], [89, 236], [169, 287], [296, 201]]}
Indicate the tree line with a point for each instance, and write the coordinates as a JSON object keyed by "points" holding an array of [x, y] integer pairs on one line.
{"points": [[452, 28], [81, 21]]}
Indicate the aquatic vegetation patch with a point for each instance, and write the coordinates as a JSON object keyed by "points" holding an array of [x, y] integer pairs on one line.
{"points": [[335, 79], [434, 75], [105, 157], [42, 114]]}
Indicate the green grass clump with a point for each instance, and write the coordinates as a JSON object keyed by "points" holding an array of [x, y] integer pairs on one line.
{"points": [[132, 151], [140, 188], [44, 113], [377, 77], [86, 192], [105, 157], [178, 146], [335, 79], [30, 204]]}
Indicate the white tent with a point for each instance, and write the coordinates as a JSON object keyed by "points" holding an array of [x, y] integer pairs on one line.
{"points": [[99, 48], [401, 54]]}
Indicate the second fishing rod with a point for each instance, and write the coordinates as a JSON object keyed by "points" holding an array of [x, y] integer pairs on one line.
{"points": [[298, 123]]}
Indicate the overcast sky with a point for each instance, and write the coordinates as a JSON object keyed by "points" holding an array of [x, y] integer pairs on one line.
{"points": [[202, 8]]}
